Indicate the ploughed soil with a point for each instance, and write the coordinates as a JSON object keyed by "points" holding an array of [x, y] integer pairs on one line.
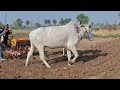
{"points": [[98, 59]]}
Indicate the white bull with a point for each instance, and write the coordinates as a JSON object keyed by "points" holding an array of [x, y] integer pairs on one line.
{"points": [[66, 36]]}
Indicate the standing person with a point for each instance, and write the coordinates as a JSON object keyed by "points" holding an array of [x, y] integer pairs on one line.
{"points": [[7, 32], [1, 53], [10, 29]]}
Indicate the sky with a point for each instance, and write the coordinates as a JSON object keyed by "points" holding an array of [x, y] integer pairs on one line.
{"points": [[39, 16]]}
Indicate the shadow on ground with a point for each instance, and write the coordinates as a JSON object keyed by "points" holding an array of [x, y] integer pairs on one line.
{"points": [[84, 56]]}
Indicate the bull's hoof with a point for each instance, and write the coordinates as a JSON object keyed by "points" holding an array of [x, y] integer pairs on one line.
{"points": [[70, 63], [48, 66], [25, 64]]}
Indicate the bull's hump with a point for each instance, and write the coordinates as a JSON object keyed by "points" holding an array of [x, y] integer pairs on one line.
{"points": [[70, 23]]}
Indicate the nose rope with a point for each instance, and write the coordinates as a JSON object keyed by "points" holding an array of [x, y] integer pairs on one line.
{"points": [[87, 32]]}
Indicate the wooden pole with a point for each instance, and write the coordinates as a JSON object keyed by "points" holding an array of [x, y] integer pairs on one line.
{"points": [[5, 17]]}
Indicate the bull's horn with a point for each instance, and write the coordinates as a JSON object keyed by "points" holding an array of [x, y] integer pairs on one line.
{"points": [[80, 22], [91, 24]]}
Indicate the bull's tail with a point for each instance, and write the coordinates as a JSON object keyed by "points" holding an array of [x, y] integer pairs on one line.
{"points": [[32, 48], [30, 53]]}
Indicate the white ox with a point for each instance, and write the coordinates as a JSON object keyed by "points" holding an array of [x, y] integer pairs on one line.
{"points": [[66, 36]]}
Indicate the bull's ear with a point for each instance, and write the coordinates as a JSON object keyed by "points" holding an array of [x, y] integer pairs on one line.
{"points": [[91, 24]]}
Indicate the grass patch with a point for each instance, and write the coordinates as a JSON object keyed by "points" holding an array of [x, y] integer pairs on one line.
{"points": [[21, 32], [113, 36]]}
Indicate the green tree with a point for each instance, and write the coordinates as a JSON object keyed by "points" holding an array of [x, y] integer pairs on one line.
{"points": [[82, 19], [18, 23], [37, 25], [67, 20], [61, 22], [48, 21], [54, 21], [64, 21], [45, 22], [27, 22]]}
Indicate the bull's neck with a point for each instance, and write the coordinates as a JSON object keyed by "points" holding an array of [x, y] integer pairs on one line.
{"points": [[81, 34]]}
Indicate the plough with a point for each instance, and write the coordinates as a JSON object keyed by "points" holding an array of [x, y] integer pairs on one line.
{"points": [[18, 53], [18, 48]]}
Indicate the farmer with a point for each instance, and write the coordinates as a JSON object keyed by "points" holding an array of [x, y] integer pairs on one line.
{"points": [[8, 31], [1, 54]]}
